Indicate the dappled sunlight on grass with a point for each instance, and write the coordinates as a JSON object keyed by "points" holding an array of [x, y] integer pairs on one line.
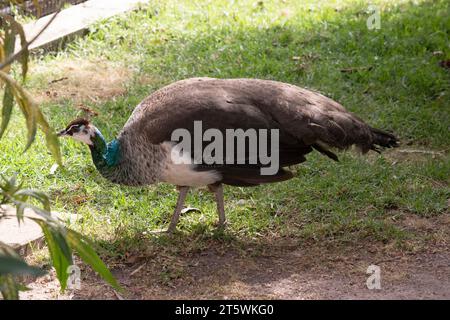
{"points": [[394, 82]]}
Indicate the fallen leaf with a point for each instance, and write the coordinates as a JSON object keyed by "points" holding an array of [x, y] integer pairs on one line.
{"points": [[189, 209]]}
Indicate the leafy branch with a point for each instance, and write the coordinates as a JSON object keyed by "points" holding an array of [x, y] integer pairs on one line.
{"points": [[13, 90], [61, 241]]}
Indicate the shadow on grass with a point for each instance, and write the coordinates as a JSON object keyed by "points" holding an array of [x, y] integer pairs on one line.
{"points": [[218, 265], [390, 77]]}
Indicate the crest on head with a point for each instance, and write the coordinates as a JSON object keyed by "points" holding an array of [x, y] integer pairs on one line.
{"points": [[79, 129]]}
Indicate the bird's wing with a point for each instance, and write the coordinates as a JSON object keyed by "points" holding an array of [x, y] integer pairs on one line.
{"points": [[305, 119], [221, 106], [250, 103]]}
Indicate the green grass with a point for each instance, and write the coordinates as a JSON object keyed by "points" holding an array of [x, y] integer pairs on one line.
{"points": [[399, 86]]}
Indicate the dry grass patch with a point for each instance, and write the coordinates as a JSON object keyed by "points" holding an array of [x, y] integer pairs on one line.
{"points": [[79, 80]]}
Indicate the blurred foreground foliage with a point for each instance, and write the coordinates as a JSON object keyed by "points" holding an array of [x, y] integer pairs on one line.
{"points": [[60, 240]]}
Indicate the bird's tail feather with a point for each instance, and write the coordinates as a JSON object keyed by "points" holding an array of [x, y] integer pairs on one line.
{"points": [[383, 139], [325, 151]]}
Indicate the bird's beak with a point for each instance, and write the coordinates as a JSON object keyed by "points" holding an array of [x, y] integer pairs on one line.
{"points": [[62, 133]]}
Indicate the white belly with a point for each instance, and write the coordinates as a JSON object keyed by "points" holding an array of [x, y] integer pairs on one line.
{"points": [[182, 174]]}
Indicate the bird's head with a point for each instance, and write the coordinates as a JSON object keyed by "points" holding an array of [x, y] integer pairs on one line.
{"points": [[81, 130]]}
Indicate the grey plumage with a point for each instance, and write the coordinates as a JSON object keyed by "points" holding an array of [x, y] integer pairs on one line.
{"points": [[306, 121]]}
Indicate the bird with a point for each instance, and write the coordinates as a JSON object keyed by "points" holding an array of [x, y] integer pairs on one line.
{"points": [[297, 121]]}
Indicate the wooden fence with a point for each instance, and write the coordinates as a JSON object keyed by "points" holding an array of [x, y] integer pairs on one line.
{"points": [[28, 8]]}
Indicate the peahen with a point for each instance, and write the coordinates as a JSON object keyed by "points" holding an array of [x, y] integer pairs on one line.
{"points": [[303, 121]]}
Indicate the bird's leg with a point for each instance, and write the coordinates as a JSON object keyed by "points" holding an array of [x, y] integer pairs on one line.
{"points": [[218, 194], [176, 214]]}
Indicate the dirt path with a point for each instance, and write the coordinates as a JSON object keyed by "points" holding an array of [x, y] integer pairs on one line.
{"points": [[277, 269]]}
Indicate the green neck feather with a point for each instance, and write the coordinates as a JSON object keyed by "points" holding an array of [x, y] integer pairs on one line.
{"points": [[105, 156]]}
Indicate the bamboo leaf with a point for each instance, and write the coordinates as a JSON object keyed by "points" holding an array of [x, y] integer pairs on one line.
{"points": [[9, 288], [11, 265], [26, 105], [36, 194], [43, 214], [9, 41], [33, 115], [9, 187], [8, 103], [60, 251], [16, 266], [8, 96], [50, 137], [10, 37], [29, 112], [13, 182], [20, 209], [84, 249], [2, 52]]}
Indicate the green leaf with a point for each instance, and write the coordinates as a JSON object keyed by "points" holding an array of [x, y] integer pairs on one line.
{"points": [[8, 103], [60, 251], [16, 28], [9, 288], [50, 137], [11, 265], [29, 111], [26, 105], [33, 117], [45, 216], [84, 249], [36, 194], [16, 266], [20, 209], [8, 96]]}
